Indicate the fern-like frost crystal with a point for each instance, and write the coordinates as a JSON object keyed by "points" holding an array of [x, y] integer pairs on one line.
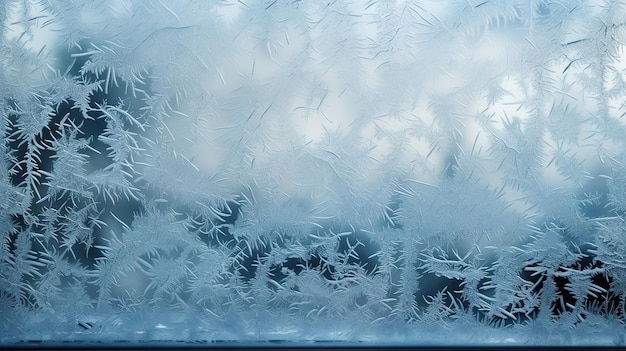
{"points": [[389, 172]]}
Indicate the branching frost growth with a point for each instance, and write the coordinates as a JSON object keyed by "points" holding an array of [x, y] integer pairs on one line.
{"points": [[346, 170]]}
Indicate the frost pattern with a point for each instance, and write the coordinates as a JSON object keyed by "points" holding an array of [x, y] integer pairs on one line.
{"points": [[347, 170]]}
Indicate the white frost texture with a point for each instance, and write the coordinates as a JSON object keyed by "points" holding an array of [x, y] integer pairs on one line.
{"points": [[381, 172]]}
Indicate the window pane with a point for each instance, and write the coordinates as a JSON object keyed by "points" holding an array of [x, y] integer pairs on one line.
{"points": [[346, 171]]}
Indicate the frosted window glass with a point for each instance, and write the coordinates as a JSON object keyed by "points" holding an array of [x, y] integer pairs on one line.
{"points": [[346, 171]]}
